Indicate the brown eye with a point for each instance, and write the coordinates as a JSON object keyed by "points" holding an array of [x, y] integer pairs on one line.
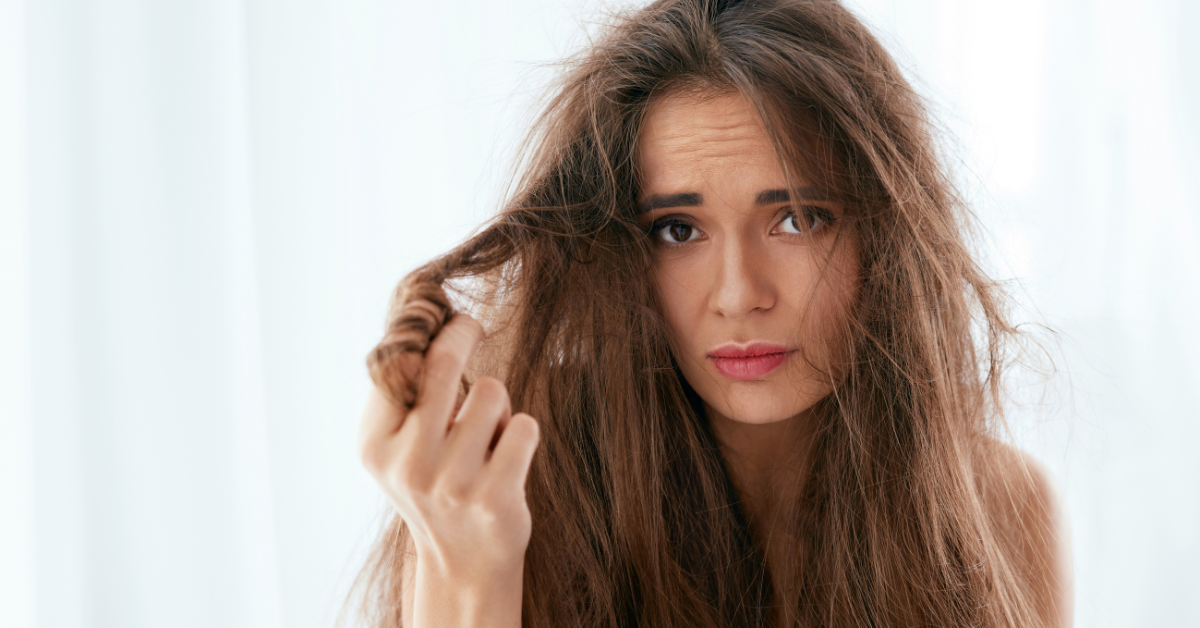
{"points": [[793, 224], [674, 231], [808, 219]]}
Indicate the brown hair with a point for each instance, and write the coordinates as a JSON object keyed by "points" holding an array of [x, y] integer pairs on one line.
{"points": [[635, 521]]}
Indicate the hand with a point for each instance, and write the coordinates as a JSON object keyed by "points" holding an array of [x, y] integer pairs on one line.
{"points": [[462, 499]]}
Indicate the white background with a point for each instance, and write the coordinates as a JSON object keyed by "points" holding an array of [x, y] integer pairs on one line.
{"points": [[204, 205]]}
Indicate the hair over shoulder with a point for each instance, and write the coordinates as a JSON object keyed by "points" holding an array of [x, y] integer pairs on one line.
{"points": [[634, 518]]}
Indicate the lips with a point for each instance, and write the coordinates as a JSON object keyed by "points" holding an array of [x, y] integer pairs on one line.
{"points": [[752, 361]]}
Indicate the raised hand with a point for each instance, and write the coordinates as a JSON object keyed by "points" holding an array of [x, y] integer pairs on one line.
{"points": [[457, 480]]}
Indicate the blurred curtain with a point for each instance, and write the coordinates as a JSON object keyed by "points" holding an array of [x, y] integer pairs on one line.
{"points": [[205, 203]]}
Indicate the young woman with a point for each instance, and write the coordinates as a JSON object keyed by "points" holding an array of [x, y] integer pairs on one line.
{"points": [[730, 361]]}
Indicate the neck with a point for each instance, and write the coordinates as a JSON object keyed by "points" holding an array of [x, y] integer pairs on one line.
{"points": [[767, 462]]}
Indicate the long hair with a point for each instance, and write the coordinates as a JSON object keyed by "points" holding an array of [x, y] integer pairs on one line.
{"points": [[635, 520]]}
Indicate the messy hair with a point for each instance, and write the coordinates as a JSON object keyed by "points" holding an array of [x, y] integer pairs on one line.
{"points": [[635, 519]]}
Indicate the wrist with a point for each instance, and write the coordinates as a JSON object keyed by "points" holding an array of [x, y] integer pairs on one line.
{"points": [[473, 571], [467, 595]]}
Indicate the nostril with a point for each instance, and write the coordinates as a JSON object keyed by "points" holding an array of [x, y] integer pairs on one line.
{"points": [[741, 286]]}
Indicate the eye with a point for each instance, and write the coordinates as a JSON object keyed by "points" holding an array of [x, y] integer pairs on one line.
{"points": [[674, 231], [810, 219]]}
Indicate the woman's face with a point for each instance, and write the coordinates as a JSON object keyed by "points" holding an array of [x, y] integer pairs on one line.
{"points": [[750, 280]]}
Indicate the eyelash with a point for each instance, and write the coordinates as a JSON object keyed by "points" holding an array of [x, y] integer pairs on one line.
{"points": [[823, 217]]}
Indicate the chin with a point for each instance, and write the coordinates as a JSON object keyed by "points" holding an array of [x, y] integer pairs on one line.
{"points": [[758, 407]]}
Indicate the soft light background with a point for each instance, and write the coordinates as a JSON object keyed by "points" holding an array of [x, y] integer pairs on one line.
{"points": [[205, 203]]}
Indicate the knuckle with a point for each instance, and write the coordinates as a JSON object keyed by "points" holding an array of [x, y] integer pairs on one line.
{"points": [[462, 331], [440, 357], [469, 325], [412, 479], [503, 508], [491, 390], [454, 494], [526, 427], [492, 509], [372, 456], [453, 344]]}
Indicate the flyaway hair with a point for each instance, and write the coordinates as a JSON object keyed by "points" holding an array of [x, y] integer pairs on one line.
{"points": [[635, 521]]}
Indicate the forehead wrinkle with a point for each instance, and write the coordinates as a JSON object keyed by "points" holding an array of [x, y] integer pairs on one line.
{"points": [[696, 167], [690, 140], [700, 138], [704, 152], [720, 138]]}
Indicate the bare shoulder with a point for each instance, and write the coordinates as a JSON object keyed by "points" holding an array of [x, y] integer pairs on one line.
{"points": [[1026, 512]]}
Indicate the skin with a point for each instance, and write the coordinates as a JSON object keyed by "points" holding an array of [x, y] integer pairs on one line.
{"points": [[722, 284], [719, 251], [717, 271], [463, 500]]}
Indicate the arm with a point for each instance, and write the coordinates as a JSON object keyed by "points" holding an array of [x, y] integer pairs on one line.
{"points": [[1024, 507], [462, 499], [444, 601], [457, 599], [1046, 548]]}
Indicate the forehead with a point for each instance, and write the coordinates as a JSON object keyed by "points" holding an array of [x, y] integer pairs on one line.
{"points": [[689, 138]]}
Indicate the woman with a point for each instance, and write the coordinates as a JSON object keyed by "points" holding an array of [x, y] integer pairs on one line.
{"points": [[732, 362]]}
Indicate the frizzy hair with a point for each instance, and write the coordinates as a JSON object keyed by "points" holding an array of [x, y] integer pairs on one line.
{"points": [[635, 521]]}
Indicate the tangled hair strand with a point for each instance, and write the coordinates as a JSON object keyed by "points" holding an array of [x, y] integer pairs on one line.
{"points": [[635, 519]]}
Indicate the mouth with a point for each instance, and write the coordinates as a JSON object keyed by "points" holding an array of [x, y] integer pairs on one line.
{"points": [[752, 361]]}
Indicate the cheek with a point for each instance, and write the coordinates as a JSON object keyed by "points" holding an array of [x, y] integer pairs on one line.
{"points": [[680, 296], [825, 331]]}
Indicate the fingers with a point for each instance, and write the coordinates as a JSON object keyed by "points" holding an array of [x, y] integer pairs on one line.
{"points": [[414, 451], [380, 420], [510, 461], [443, 366], [444, 363], [486, 407]]}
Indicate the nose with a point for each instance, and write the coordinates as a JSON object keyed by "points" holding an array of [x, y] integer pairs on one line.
{"points": [[743, 281]]}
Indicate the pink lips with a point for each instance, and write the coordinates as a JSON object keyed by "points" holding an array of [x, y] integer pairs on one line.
{"points": [[751, 361]]}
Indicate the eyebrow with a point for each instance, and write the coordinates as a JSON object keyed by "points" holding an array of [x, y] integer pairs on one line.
{"points": [[660, 201], [766, 197]]}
